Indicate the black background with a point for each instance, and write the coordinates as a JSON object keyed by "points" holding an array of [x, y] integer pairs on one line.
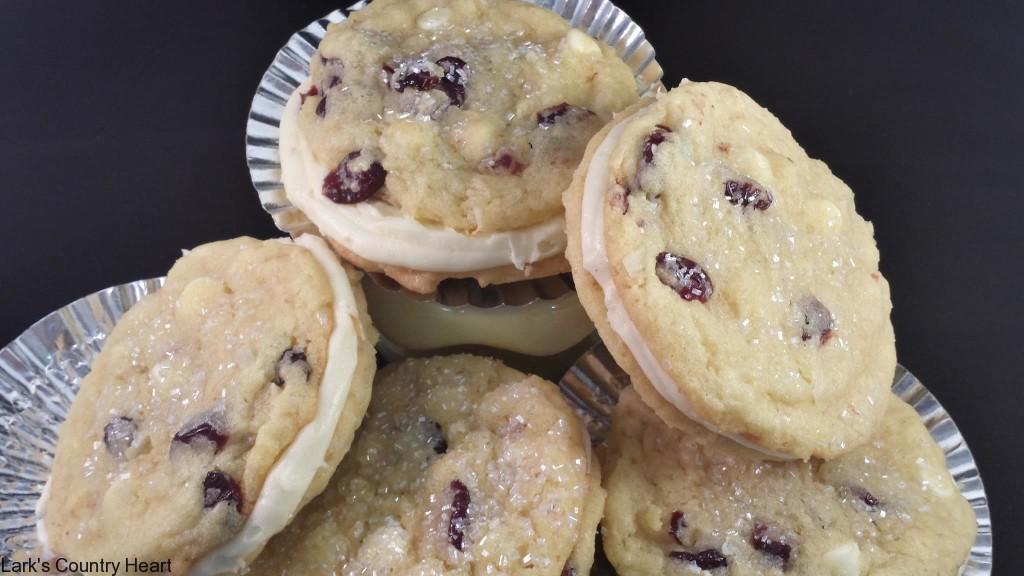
{"points": [[122, 142]]}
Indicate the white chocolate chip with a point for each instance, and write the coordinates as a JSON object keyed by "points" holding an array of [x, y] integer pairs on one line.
{"points": [[843, 560], [477, 137], [434, 19], [634, 265], [579, 43], [754, 164], [197, 297], [824, 216]]}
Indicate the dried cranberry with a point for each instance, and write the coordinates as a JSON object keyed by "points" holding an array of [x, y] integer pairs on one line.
{"points": [[861, 494], [311, 92], [817, 322], [656, 137], [346, 185], [549, 116], [748, 193], [619, 198], [684, 276], [705, 560], [118, 435], [219, 487], [435, 436], [676, 525], [419, 79], [321, 107], [460, 509], [453, 83], [333, 80], [504, 163], [208, 430], [772, 541], [291, 357]]}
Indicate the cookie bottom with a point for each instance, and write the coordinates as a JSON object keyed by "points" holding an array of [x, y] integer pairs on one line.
{"points": [[423, 282]]}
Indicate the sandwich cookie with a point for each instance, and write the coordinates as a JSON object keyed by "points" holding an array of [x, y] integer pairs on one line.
{"points": [[462, 466], [682, 500], [730, 275], [219, 406], [434, 139]]}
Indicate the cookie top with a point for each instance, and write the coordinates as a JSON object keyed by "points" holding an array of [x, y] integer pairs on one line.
{"points": [[733, 277], [219, 405], [685, 501], [470, 114], [462, 466]]}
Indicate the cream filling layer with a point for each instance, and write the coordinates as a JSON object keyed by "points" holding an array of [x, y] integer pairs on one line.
{"points": [[596, 185], [381, 233], [288, 481], [41, 534]]}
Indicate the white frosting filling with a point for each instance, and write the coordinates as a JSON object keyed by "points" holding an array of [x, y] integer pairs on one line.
{"points": [[287, 483], [595, 260], [381, 233], [41, 535]]}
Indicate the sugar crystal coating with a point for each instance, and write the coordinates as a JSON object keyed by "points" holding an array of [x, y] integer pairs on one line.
{"points": [[509, 493]]}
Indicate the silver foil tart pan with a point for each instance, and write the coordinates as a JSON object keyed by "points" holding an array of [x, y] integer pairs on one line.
{"points": [[40, 372], [594, 382]]}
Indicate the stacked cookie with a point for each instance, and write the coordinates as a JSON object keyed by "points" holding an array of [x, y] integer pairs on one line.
{"points": [[728, 273], [731, 277]]}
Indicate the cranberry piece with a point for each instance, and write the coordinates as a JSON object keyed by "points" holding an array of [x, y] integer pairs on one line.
{"points": [[349, 185], [684, 276], [772, 541], [656, 137], [291, 357], [817, 322], [118, 435], [321, 107], [504, 163], [862, 495], [453, 83], [313, 91], [418, 79], [205, 431], [550, 116], [619, 198], [676, 525], [748, 193], [705, 560], [437, 439], [460, 509], [219, 487]]}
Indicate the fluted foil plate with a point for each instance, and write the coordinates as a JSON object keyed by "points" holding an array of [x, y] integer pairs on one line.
{"points": [[39, 376], [593, 385], [598, 18], [40, 372]]}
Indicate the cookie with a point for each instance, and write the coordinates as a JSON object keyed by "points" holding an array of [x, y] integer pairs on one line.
{"points": [[730, 274], [462, 466], [682, 500], [219, 406], [434, 139]]}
